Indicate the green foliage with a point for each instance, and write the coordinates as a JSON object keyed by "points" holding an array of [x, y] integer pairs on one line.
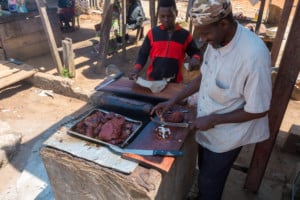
{"points": [[65, 73]]}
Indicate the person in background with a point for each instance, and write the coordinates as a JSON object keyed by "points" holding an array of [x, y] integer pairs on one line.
{"points": [[234, 93], [66, 12], [167, 46], [115, 34], [135, 16]]}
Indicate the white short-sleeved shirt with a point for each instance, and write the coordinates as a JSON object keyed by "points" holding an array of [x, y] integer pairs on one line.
{"points": [[235, 76]]}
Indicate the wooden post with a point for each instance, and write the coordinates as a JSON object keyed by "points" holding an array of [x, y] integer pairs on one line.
{"points": [[188, 10], [104, 34], [49, 33], [123, 26], [152, 13], [285, 81], [281, 30], [68, 56], [260, 15]]}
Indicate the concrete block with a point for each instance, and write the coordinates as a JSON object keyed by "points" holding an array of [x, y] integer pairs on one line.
{"points": [[60, 85]]}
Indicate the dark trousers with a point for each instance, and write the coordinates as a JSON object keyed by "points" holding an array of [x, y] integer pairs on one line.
{"points": [[213, 171]]}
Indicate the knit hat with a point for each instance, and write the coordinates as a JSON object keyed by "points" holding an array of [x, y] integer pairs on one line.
{"points": [[205, 12]]}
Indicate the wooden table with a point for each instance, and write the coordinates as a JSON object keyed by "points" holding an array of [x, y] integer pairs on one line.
{"points": [[75, 177]]}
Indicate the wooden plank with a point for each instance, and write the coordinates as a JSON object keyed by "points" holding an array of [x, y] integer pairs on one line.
{"points": [[8, 72], [21, 75], [148, 139], [285, 81], [3, 62], [48, 31], [8, 65], [281, 30]]}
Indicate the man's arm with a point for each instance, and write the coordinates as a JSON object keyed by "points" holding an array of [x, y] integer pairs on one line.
{"points": [[194, 53], [237, 116], [190, 89], [141, 59]]}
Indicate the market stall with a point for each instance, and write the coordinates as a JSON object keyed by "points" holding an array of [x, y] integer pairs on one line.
{"points": [[83, 167]]}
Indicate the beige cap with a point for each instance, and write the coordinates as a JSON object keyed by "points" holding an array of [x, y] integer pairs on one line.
{"points": [[205, 12]]}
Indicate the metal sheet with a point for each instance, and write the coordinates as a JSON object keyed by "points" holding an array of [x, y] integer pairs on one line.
{"points": [[89, 151]]}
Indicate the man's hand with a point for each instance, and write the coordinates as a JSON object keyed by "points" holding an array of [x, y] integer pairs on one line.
{"points": [[161, 108], [194, 64], [133, 74], [203, 123]]}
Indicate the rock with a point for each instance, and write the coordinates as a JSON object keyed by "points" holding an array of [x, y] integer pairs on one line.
{"points": [[4, 127], [9, 142]]}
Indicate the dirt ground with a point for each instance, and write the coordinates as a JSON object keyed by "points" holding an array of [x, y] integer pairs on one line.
{"points": [[27, 111]]}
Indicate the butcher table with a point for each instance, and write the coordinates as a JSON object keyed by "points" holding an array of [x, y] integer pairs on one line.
{"points": [[82, 170]]}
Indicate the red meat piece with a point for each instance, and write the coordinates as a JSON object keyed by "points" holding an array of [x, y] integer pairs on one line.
{"points": [[92, 120], [112, 129]]}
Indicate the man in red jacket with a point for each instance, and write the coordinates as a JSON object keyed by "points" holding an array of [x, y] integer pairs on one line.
{"points": [[167, 46]]}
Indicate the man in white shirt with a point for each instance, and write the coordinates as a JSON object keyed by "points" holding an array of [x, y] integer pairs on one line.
{"points": [[234, 93]]}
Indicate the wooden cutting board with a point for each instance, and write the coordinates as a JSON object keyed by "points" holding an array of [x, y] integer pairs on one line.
{"points": [[128, 88], [148, 139]]}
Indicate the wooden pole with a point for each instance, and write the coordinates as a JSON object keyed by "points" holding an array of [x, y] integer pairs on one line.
{"points": [[188, 10], [68, 56], [285, 81], [281, 30], [260, 15], [104, 34], [123, 22], [152, 13], [49, 33]]}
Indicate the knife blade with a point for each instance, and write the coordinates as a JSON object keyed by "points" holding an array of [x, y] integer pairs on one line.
{"points": [[113, 79], [182, 124], [144, 152]]}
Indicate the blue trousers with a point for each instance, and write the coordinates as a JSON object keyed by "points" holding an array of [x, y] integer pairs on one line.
{"points": [[213, 171]]}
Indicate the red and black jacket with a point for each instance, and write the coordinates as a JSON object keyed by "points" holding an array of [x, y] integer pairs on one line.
{"points": [[166, 54]]}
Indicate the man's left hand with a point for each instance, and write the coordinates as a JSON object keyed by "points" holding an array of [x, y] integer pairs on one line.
{"points": [[203, 123]]}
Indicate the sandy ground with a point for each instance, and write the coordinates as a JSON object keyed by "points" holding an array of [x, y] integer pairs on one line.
{"points": [[22, 107]]}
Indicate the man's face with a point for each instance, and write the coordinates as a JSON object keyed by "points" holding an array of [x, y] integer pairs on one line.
{"points": [[212, 34], [167, 16]]}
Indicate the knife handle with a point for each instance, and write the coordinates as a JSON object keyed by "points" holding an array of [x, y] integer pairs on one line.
{"points": [[167, 153]]}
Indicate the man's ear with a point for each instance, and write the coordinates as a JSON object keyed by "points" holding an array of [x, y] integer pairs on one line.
{"points": [[223, 23]]}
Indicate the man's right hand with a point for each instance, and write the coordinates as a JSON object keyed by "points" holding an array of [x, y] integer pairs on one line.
{"points": [[133, 74], [161, 108]]}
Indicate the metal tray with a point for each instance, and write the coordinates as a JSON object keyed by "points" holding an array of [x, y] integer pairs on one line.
{"points": [[136, 127]]}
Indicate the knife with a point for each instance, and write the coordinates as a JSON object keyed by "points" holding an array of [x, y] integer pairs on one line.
{"points": [[144, 152], [113, 79], [183, 124]]}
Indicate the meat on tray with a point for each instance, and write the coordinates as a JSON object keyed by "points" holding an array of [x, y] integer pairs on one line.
{"points": [[108, 127]]}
